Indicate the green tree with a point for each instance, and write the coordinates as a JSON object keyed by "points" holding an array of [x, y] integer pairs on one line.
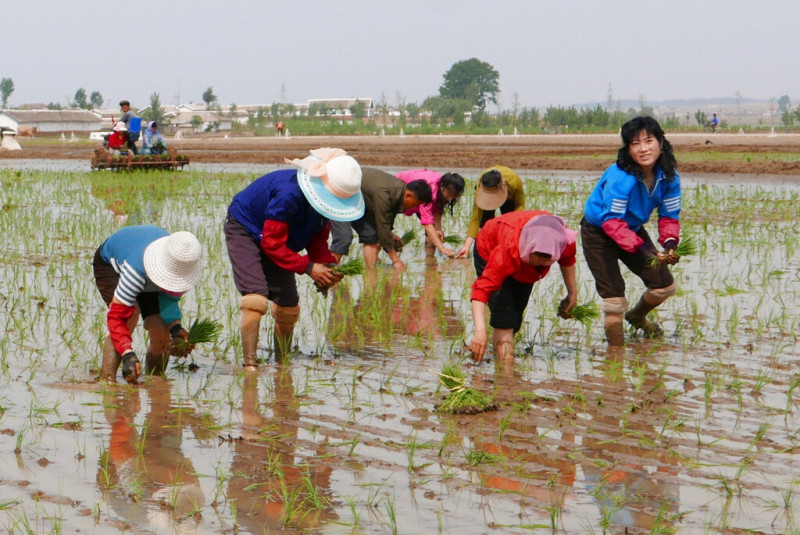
{"points": [[447, 109], [413, 110], [209, 97], [155, 112], [473, 80], [701, 117], [197, 122], [784, 104], [358, 109], [6, 88], [80, 100], [95, 100]]}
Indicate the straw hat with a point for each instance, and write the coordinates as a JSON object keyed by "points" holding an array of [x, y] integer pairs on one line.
{"points": [[331, 182], [492, 191], [175, 262], [120, 127]]}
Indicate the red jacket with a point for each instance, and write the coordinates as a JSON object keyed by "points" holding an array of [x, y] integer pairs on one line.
{"points": [[117, 140], [498, 244]]}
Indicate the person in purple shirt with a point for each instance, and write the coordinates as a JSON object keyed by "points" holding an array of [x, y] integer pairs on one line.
{"points": [[446, 190]]}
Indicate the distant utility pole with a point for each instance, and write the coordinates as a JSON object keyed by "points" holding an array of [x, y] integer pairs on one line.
{"points": [[739, 105], [609, 98], [283, 93]]}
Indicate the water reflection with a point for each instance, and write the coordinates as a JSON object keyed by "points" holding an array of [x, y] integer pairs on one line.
{"points": [[144, 475], [388, 309], [270, 487]]}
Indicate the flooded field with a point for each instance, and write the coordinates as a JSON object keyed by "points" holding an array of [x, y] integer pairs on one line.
{"points": [[697, 433]]}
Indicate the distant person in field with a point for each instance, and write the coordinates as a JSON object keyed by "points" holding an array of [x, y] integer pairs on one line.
{"points": [[270, 222], [143, 271], [279, 128], [133, 123], [385, 196], [153, 142], [714, 123], [643, 179], [118, 143], [498, 188], [446, 190], [514, 251]]}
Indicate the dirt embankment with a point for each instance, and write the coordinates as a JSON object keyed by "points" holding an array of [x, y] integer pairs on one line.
{"points": [[703, 153]]}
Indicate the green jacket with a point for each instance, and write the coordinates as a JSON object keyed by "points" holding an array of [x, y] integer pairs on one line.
{"points": [[383, 200]]}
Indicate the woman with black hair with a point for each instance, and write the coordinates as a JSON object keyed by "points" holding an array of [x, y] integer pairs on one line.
{"points": [[446, 190], [644, 178]]}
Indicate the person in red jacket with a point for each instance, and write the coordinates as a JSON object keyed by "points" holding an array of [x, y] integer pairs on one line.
{"points": [[118, 143], [513, 252]]}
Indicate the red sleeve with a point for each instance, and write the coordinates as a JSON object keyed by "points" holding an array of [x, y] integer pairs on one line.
{"points": [[273, 243], [117, 320], [668, 229], [568, 255], [619, 231], [318, 250]]}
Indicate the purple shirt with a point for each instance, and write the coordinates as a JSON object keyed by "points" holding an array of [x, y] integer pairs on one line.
{"points": [[425, 211]]}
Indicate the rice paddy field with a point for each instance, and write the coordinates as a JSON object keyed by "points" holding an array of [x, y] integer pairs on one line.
{"points": [[696, 433]]}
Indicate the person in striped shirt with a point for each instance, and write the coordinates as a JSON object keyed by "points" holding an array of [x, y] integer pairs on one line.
{"points": [[143, 271], [643, 179]]}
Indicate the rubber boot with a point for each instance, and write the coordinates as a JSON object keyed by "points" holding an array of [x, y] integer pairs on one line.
{"points": [[253, 306], [614, 308], [111, 362], [637, 316], [285, 319]]}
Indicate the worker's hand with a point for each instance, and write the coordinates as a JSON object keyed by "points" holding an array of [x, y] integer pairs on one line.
{"points": [[463, 252], [131, 367], [397, 241], [323, 276], [670, 257], [180, 346], [478, 345], [566, 306], [447, 251]]}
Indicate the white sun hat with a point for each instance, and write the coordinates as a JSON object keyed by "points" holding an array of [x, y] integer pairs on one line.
{"points": [[120, 127], [175, 262], [331, 182]]}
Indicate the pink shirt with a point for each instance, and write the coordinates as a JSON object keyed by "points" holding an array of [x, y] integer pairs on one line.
{"points": [[425, 211]]}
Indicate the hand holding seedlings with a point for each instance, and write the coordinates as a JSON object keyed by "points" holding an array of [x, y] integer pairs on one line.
{"points": [[324, 276], [181, 347]]}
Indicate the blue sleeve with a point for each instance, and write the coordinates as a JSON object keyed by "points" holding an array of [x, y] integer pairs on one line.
{"points": [[671, 199], [616, 195], [169, 308]]}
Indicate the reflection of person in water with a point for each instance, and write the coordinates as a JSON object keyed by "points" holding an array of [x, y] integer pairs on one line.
{"points": [[144, 474], [265, 467], [632, 484], [386, 309]]}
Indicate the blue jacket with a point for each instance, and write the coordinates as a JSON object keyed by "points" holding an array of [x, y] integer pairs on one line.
{"points": [[623, 196], [124, 251], [277, 196]]}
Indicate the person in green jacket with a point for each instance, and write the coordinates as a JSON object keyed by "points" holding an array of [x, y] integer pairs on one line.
{"points": [[499, 187], [385, 196]]}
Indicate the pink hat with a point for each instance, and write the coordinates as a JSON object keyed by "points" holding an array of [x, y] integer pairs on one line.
{"points": [[545, 234]]}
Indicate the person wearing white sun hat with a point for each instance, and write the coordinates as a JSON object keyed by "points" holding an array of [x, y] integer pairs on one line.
{"points": [[270, 222], [144, 270]]}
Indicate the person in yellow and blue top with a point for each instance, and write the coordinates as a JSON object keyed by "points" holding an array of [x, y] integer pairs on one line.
{"points": [[643, 179], [144, 270], [498, 188]]}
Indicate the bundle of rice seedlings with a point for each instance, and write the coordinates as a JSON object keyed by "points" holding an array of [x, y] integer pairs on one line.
{"points": [[585, 313], [354, 266], [409, 236], [201, 332], [686, 247], [452, 239], [461, 399]]}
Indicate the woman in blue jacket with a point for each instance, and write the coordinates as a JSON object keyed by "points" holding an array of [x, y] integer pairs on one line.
{"points": [[644, 178]]}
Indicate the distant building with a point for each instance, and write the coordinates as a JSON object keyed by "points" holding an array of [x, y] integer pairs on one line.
{"points": [[44, 121]]}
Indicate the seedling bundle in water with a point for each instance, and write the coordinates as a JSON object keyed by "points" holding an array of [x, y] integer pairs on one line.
{"points": [[409, 236], [201, 332], [461, 399], [586, 313], [686, 247], [354, 266]]}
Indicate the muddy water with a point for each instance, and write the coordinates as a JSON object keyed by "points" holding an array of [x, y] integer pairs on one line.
{"points": [[697, 433]]}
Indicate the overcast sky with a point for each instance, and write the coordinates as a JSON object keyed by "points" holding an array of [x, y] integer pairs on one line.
{"points": [[555, 52]]}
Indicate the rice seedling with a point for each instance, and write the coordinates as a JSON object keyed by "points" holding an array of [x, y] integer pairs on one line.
{"points": [[460, 398], [202, 331], [585, 313], [409, 236], [354, 266], [686, 247], [452, 239]]}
